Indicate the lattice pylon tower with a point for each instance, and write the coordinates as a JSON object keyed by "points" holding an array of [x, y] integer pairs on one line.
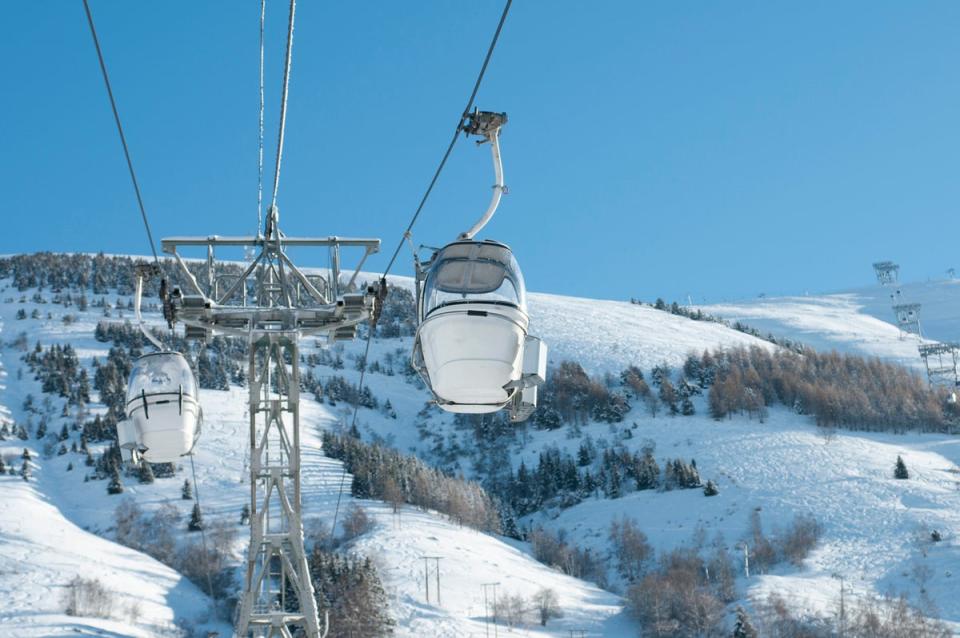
{"points": [[887, 272], [908, 319], [278, 594], [942, 361], [273, 304]]}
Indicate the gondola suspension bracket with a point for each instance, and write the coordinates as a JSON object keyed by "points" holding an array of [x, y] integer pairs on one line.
{"points": [[487, 125]]}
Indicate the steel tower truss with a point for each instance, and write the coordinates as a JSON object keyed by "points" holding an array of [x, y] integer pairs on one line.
{"points": [[273, 304]]}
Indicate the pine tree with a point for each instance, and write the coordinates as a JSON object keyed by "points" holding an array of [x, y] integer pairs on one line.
{"points": [[62, 450], [64, 433], [25, 470], [613, 483], [711, 489], [146, 473], [70, 466], [196, 519], [186, 493], [3, 467], [900, 471], [245, 514], [668, 395], [115, 486], [686, 407], [743, 627], [26, 456]]}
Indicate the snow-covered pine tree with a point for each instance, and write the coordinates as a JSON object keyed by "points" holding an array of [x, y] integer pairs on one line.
{"points": [[186, 492], [743, 628], [668, 394], [145, 473], [115, 486], [647, 472], [196, 519], [900, 470]]}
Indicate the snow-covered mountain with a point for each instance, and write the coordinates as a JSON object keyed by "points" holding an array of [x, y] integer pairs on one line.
{"points": [[57, 526], [859, 321]]}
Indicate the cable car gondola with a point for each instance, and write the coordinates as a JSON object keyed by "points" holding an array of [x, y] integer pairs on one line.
{"points": [[472, 347], [163, 413], [164, 416]]}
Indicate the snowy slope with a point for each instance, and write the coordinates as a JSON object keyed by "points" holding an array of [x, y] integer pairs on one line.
{"points": [[608, 336], [876, 528], [858, 321], [397, 543], [42, 550], [61, 507], [784, 466]]}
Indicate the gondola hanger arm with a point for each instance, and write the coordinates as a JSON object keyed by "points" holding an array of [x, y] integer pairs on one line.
{"points": [[487, 124]]}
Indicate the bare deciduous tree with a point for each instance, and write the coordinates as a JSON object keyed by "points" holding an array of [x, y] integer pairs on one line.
{"points": [[546, 603]]}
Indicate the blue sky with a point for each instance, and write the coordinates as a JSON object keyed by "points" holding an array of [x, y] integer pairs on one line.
{"points": [[716, 149]]}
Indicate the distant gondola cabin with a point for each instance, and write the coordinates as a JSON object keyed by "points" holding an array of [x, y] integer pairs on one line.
{"points": [[163, 409]]}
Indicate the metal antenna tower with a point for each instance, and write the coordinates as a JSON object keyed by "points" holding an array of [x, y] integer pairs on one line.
{"points": [[273, 304]]}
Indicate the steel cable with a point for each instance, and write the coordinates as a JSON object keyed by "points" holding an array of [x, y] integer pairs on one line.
{"points": [[283, 102], [263, 14], [123, 138]]}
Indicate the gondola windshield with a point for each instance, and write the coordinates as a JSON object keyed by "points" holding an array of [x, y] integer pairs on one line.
{"points": [[466, 272], [161, 373]]}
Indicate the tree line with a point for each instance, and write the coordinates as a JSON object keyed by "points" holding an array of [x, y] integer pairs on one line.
{"points": [[838, 390], [98, 273], [59, 371], [385, 474], [562, 479]]}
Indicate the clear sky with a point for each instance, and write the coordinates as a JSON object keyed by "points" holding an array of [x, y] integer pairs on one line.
{"points": [[716, 149]]}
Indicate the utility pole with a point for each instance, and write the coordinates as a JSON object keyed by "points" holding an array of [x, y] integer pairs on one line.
{"points": [[426, 575], [486, 609], [746, 558], [272, 304], [843, 606]]}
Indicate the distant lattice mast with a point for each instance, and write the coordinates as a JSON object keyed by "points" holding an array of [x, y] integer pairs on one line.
{"points": [[941, 362], [888, 273]]}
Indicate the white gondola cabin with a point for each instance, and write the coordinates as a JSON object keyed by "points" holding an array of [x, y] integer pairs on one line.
{"points": [[163, 413], [472, 346]]}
